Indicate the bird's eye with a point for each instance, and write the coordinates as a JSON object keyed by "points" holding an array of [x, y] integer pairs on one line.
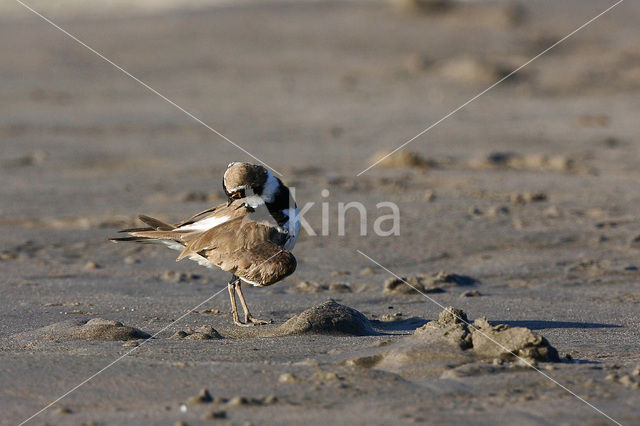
{"points": [[236, 195]]}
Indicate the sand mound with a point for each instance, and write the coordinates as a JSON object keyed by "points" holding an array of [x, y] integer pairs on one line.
{"points": [[94, 329], [472, 70], [408, 285], [329, 317], [403, 159], [500, 341], [506, 342], [451, 327], [452, 342]]}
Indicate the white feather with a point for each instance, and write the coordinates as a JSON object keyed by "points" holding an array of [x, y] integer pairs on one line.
{"points": [[271, 187], [172, 244], [269, 191], [254, 201], [201, 260], [205, 224], [250, 282]]}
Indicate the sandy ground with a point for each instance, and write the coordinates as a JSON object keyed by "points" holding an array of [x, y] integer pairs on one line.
{"points": [[532, 191]]}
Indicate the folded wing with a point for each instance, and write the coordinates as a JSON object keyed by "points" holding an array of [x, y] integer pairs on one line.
{"points": [[228, 239]]}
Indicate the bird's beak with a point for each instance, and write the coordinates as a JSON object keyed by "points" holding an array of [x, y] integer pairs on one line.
{"points": [[235, 196]]}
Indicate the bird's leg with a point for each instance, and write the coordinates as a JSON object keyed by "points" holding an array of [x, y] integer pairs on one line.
{"points": [[248, 318], [231, 286]]}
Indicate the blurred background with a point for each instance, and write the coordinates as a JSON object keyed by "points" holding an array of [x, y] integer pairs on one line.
{"points": [[318, 90]]}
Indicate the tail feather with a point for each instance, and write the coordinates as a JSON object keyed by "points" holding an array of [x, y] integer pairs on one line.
{"points": [[156, 224], [133, 239], [157, 230], [158, 235]]}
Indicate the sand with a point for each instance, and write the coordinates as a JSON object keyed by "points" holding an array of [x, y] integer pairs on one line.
{"points": [[521, 209]]}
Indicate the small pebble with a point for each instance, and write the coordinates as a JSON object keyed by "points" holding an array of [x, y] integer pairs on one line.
{"points": [[340, 287], [494, 211], [179, 335], [475, 211], [220, 414], [396, 316], [628, 381], [91, 265], [429, 195], [367, 271], [271, 399], [8, 256], [238, 401], [204, 397], [326, 376], [287, 378], [611, 142], [612, 377], [179, 277], [551, 211], [527, 197]]}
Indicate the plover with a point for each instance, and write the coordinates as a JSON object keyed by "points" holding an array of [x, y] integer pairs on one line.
{"points": [[251, 235]]}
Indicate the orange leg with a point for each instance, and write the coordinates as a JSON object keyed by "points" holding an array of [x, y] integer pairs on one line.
{"points": [[248, 318], [231, 286]]}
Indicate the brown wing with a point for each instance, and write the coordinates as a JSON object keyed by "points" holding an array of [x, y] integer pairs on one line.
{"points": [[241, 245], [262, 264], [246, 249], [265, 264], [159, 230]]}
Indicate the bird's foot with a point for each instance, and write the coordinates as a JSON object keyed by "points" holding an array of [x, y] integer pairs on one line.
{"points": [[243, 324], [250, 319]]}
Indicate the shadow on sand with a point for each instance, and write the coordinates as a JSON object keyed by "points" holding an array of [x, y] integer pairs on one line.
{"points": [[410, 324], [539, 325]]}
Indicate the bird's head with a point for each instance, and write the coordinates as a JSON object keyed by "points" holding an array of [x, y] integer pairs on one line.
{"points": [[250, 182]]}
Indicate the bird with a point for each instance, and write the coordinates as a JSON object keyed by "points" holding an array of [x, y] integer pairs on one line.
{"points": [[251, 235]]}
